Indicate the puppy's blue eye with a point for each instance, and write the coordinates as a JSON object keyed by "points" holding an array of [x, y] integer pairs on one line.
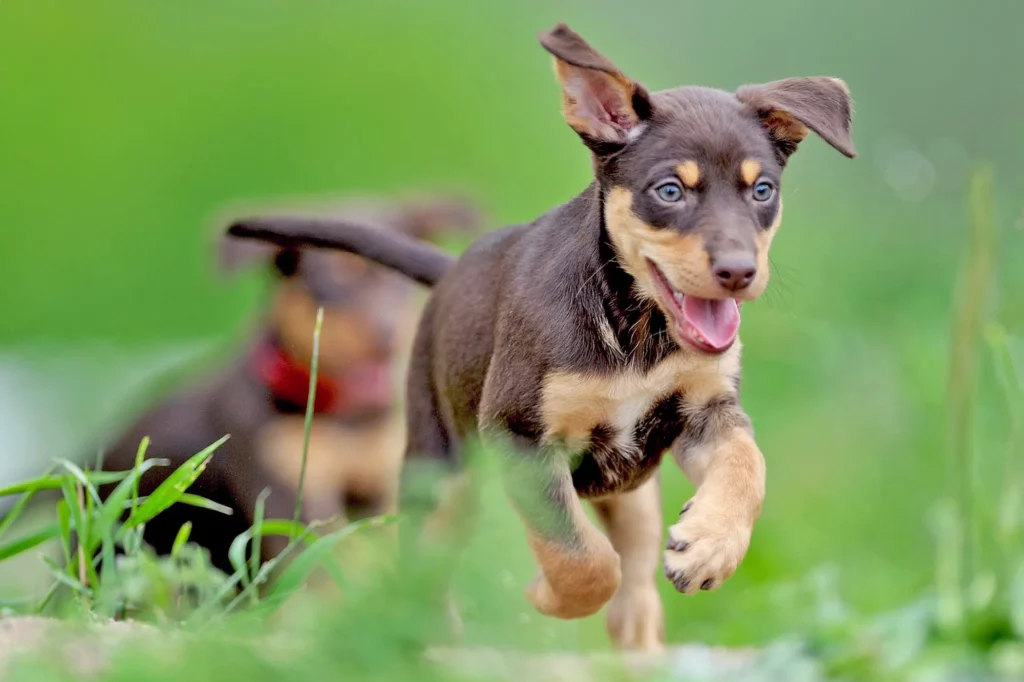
{"points": [[670, 192], [763, 191]]}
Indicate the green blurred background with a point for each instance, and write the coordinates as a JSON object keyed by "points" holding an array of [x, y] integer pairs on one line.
{"points": [[125, 127]]}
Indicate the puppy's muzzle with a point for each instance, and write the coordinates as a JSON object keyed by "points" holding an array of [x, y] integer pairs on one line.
{"points": [[735, 270]]}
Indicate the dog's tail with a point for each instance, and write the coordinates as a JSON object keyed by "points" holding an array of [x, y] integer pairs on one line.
{"points": [[415, 259]]}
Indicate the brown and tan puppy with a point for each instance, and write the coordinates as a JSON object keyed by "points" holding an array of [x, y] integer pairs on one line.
{"points": [[591, 341], [357, 440]]}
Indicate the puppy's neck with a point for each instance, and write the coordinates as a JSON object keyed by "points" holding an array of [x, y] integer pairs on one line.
{"points": [[639, 327], [286, 381]]}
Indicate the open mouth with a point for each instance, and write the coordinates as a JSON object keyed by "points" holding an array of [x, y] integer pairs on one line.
{"points": [[709, 325]]}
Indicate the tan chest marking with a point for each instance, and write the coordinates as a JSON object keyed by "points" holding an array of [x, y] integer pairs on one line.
{"points": [[572, 404], [364, 460]]}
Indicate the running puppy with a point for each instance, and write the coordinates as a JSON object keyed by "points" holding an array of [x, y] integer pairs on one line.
{"points": [[259, 398], [604, 333]]}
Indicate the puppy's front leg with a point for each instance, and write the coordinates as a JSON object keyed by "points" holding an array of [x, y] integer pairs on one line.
{"points": [[713, 534], [579, 571]]}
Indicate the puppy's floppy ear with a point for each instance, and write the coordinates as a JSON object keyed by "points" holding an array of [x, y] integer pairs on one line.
{"points": [[599, 102], [789, 107], [234, 254]]}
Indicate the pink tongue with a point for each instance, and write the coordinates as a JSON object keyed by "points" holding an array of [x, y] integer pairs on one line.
{"points": [[716, 320]]}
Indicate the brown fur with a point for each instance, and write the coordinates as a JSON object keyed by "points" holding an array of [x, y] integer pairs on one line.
{"points": [[551, 341], [354, 458]]}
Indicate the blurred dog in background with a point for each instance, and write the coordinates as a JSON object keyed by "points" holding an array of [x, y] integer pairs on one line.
{"points": [[357, 437]]}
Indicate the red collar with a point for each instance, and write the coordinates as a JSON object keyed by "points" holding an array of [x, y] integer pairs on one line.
{"points": [[288, 381]]}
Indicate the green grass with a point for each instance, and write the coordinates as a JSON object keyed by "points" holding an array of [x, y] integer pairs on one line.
{"points": [[967, 623], [889, 413]]}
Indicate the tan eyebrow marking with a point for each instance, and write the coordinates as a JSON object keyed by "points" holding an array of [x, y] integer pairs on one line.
{"points": [[750, 170], [689, 173]]}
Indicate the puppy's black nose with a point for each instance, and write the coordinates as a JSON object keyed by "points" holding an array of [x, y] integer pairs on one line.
{"points": [[734, 271]]}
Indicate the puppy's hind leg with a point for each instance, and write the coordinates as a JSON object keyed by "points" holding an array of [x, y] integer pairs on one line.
{"points": [[434, 497], [636, 618], [433, 491]]}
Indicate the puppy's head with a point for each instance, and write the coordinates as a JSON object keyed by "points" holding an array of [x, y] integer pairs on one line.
{"points": [[690, 179], [368, 309]]}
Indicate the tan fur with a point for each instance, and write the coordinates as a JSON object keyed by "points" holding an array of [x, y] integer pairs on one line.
{"points": [[784, 126], [365, 461], [682, 258], [764, 243], [344, 338], [750, 171], [689, 173], [576, 82], [730, 478], [573, 404], [604, 328], [574, 581], [636, 618]]}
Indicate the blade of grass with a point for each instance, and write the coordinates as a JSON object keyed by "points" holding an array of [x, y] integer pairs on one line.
{"points": [[140, 455], [236, 555], [78, 525], [202, 502], [64, 521], [1006, 370], [172, 488], [29, 541], [1008, 520], [19, 506], [288, 528], [86, 565], [79, 495], [310, 402], [64, 579], [82, 478], [275, 527], [254, 534], [298, 571], [301, 535], [181, 538], [969, 314], [50, 593], [114, 507], [100, 458], [55, 482], [257, 536], [263, 575]]}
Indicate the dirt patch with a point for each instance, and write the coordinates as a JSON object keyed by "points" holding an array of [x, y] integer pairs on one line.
{"points": [[82, 647]]}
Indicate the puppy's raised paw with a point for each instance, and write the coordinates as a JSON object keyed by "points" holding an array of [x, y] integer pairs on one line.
{"points": [[704, 549]]}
